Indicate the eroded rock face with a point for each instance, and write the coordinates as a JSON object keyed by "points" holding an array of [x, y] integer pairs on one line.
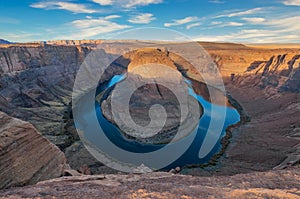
{"points": [[26, 157], [280, 72], [36, 85]]}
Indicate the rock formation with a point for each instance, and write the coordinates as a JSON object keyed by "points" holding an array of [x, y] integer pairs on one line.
{"points": [[279, 72], [73, 42], [165, 87], [26, 157], [36, 83]]}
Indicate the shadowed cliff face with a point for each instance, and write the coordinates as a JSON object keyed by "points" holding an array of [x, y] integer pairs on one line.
{"points": [[271, 70], [279, 72], [36, 85]]}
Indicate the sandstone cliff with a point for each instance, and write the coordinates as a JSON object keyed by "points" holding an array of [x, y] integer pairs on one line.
{"points": [[36, 84], [73, 42]]}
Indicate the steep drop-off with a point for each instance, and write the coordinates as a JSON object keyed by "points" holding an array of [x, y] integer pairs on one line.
{"points": [[36, 85]]}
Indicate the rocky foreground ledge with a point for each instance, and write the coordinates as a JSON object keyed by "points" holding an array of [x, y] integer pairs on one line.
{"points": [[273, 184]]}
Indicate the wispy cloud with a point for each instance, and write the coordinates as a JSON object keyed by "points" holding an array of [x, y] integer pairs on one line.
{"points": [[241, 13], [232, 23], [73, 7], [21, 36], [265, 37], [87, 28], [144, 18], [291, 2], [216, 23], [276, 30], [216, 1], [193, 25], [243, 35], [104, 2], [181, 21], [219, 24], [127, 3], [8, 20], [87, 23], [285, 24], [254, 20]]}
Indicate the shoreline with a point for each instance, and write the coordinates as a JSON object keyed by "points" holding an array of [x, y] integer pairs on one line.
{"points": [[225, 140]]}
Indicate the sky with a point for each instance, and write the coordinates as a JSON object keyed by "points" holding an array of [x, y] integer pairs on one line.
{"points": [[244, 21]]}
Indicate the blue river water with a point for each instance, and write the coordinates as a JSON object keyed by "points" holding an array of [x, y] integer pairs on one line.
{"points": [[190, 157]]}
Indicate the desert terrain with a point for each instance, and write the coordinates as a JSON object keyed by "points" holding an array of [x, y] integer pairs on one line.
{"points": [[260, 155]]}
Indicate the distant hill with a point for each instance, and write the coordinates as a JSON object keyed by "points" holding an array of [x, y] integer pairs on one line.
{"points": [[275, 46], [2, 41], [223, 46]]}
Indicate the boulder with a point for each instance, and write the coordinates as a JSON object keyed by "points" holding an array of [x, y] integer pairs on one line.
{"points": [[26, 157]]}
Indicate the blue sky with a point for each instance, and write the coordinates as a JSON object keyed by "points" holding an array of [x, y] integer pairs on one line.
{"points": [[247, 21]]}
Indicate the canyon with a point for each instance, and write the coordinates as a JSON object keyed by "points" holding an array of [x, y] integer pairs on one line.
{"points": [[261, 155]]}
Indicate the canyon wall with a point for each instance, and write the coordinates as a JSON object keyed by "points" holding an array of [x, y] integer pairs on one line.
{"points": [[36, 82]]}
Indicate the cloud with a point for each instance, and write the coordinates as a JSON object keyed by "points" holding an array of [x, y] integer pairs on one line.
{"points": [[127, 3], [193, 25], [73, 7], [243, 35], [226, 24], [112, 17], [216, 1], [242, 13], [20, 36], [87, 28], [254, 36], [104, 2], [278, 30], [8, 20], [145, 18], [216, 23], [181, 21], [87, 23], [254, 20], [232, 24], [291, 2], [285, 24]]}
